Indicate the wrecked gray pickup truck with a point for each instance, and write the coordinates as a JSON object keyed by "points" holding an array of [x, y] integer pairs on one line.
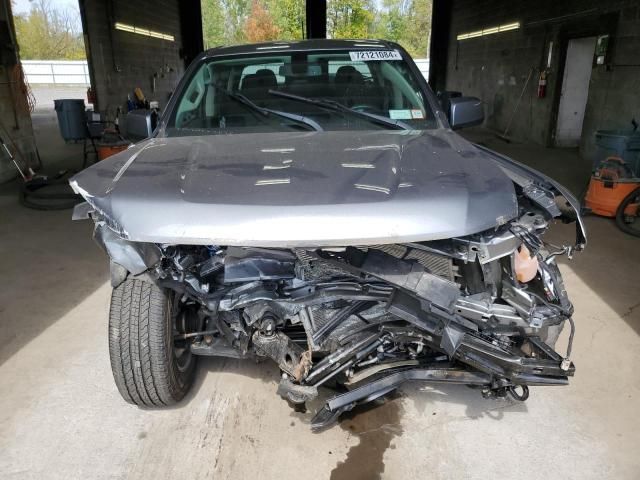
{"points": [[310, 203]]}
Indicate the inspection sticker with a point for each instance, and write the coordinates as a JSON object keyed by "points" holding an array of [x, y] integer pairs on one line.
{"points": [[400, 114], [374, 55]]}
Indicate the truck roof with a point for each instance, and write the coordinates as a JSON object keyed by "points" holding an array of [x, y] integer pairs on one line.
{"points": [[300, 45]]}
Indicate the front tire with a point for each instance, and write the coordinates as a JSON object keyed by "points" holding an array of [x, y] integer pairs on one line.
{"points": [[147, 368]]}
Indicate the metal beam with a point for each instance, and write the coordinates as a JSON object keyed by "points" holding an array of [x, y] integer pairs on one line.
{"points": [[316, 18], [192, 41], [439, 48]]}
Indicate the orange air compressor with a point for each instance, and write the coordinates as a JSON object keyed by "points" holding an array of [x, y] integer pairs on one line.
{"points": [[612, 181]]}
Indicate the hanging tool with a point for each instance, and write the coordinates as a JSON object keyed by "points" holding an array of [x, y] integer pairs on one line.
{"points": [[504, 135], [16, 150], [15, 163], [32, 195]]}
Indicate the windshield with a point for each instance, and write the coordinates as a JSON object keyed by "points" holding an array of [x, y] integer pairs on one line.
{"points": [[299, 91]]}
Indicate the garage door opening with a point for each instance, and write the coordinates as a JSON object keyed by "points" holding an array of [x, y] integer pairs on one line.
{"points": [[52, 51], [575, 91]]}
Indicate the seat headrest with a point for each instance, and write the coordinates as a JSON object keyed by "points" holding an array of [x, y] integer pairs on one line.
{"points": [[263, 78], [348, 74]]}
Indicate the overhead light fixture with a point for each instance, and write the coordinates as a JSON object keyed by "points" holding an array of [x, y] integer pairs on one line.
{"points": [[489, 31], [143, 31]]}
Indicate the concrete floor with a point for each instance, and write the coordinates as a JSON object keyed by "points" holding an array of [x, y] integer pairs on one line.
{"points": [[62, 417]]}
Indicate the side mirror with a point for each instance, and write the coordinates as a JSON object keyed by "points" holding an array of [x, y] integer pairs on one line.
{"points": [[465, 112], [139, 124]]}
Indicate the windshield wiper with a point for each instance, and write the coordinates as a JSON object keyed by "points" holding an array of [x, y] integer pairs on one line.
{"points": [[240, 98], [339, 107]]}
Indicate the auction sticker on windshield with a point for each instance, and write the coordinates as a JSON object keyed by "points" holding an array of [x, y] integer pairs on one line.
{"points": [[375, 55]]}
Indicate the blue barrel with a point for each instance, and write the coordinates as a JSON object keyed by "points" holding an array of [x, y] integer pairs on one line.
{"points": [[72, 118], [619, 143]]}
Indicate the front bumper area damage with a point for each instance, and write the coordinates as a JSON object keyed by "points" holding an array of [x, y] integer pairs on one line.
{"points": [[369, 318]]}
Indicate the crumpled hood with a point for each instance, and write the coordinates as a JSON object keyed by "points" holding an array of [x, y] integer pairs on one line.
{"points": [[300, 189]]}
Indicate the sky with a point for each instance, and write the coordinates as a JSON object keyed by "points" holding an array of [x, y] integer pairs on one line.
{"points": [[19, 7], [23, 6]]}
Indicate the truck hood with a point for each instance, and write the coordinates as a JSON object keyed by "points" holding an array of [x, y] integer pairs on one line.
{"points": [[300, 189]]}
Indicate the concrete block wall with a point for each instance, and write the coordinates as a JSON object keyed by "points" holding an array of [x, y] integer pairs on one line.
{"points": [[121, 61], [614, 93], [16, 129], [495, 67]]}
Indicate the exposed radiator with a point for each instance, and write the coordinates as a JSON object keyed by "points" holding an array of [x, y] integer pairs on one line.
{"points": [[432, 262], [439, 265]]}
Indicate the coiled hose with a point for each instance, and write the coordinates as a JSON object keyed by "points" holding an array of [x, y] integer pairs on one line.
{"points": [[43, 193]]}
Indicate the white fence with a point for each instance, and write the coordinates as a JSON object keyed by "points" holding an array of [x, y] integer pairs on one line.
{"points": [[62, 72], [56, 72], [423, 66], [70, 72]]}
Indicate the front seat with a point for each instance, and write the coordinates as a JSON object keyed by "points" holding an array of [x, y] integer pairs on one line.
{"points": [[348, 75], [257, 85], [349, 83]]}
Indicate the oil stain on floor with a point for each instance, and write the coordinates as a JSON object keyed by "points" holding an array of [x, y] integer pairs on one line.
{"points": [[376, 426]]}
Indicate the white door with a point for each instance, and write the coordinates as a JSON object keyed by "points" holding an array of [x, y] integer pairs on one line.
{"points": [[575, 90]]}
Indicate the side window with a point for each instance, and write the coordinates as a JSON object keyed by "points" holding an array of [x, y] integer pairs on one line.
{"points": [[404, 94], [192, 98]]}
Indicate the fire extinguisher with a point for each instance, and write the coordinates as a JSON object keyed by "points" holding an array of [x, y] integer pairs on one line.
{"points": [[91, 96], [542, 84]]}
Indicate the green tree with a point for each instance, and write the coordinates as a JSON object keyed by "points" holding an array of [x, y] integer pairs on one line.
{"points": [[415, 38], [350, 18], [259, 25], [407, 22], [49, 33], [225, 22], [236, 12], [213, 23], [289, 16]]}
